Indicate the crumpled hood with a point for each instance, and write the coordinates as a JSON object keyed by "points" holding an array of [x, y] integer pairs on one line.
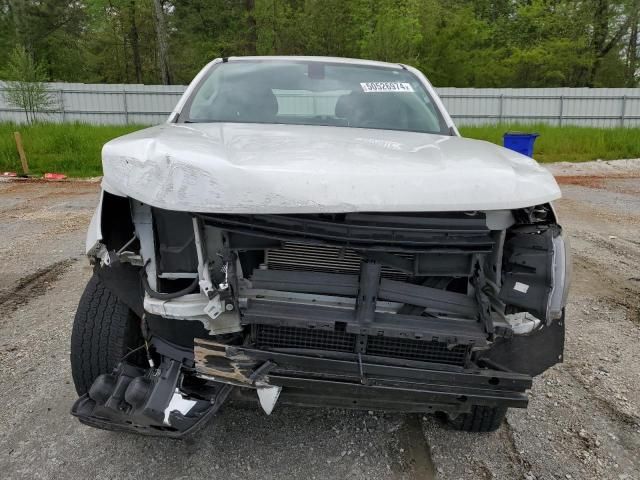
{"points": [[259, 168]]}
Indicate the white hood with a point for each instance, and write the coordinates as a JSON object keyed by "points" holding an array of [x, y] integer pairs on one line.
{"points": [[255, 168]]}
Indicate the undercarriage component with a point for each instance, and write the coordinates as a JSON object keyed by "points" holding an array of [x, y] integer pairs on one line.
{"points": [[361, 382], [146, 401]]}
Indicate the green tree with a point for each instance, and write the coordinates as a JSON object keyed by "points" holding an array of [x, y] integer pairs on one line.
{"points": [[546, 45], [395, 32], [25, 87], [458, 48], [123, 43], [202, 30], [498, 43], [52, 32]]}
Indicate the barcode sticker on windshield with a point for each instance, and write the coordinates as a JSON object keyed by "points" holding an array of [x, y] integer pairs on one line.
{"points": [[372, 87]]}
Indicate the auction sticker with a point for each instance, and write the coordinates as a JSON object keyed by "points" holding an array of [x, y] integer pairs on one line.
{"points": [[372, 87]]}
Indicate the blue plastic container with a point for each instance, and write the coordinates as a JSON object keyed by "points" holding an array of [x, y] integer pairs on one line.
{"points": [[520, 142]]}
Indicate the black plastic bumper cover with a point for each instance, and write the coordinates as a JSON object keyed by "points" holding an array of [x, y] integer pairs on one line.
{"points": [[134, 400]]}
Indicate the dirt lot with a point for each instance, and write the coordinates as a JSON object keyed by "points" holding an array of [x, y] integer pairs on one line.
{"points": [[583, 421]]}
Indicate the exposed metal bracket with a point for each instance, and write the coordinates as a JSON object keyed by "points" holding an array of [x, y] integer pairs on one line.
{"points": [[484, 302], [215, 307], [368, 291], [194, 307], [247, 294], [101, 252], [224, 363], [203, 266], [143, 222]]}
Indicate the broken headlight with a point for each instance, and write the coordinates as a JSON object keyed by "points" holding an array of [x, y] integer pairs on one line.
{"points": [[536, 271], [560, 277]]}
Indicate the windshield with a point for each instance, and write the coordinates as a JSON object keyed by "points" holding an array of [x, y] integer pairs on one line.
{"points": [[314, 93]]}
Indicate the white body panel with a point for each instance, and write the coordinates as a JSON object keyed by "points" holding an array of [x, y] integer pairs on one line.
{"points": [[94, 232], [260, 168]]}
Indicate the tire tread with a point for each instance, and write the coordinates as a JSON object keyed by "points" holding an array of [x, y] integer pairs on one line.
{"points": [[103, 332], [480, 419]]}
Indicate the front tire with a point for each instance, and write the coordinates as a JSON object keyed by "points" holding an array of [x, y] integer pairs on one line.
{"points": [[480, 419], [104, 331]]}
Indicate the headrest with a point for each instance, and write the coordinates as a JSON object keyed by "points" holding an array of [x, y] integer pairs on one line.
{"points": [[346, 104], [265, 101], [239, 104]]}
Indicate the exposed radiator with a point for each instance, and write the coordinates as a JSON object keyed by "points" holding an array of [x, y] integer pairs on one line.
{"points": [[321, 258]]}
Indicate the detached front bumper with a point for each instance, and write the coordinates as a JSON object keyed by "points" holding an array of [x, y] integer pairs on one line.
{"points": [[363, 382]]}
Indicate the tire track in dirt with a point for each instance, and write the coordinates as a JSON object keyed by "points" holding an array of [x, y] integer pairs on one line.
{"points": [[512, 451], [415, 451], [33, 285], [605, 405], [610, 288]]}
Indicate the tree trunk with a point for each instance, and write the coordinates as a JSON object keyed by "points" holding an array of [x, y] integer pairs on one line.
{"points": [[275, 29], [252, 32], [134, 38], [18, 16], [163, 47], [600, 33], [632, 50]]}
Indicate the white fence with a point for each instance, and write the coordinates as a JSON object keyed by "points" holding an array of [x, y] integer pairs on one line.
{"points": [[105, 103], [151, 104], [599, 107]]}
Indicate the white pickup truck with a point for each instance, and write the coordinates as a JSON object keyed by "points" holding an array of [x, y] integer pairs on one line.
{"points": [[315, 231]]}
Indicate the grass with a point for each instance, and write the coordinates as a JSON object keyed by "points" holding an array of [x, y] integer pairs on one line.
{"points": [[74, 148], [70, 148], [568, 144]]}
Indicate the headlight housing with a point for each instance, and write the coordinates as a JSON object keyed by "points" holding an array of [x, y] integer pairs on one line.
{"points": [[561, 277]]}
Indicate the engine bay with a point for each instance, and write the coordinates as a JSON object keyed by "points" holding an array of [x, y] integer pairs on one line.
{"points": [[407, 311]]}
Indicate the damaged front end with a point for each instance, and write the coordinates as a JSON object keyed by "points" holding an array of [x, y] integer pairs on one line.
{"points": [[420, 312]]}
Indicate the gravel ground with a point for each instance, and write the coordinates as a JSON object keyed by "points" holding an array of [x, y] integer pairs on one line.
{"points": [[583, 420]]}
